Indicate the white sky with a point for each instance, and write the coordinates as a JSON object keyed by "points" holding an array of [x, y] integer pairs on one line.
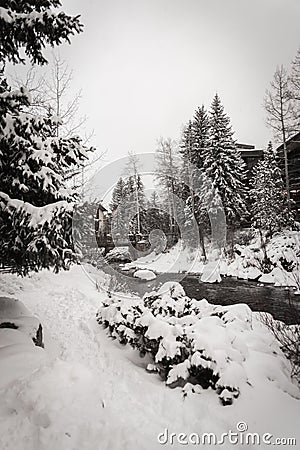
{"points": [[145, 65]]}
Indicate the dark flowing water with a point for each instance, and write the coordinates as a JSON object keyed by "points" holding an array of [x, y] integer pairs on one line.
{"points": [[282, 303]]}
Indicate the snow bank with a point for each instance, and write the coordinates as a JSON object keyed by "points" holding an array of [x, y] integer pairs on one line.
{"points": [[19, 357], [283, 251], [177, 259]]}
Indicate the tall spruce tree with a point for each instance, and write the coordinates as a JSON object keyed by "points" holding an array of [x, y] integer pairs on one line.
{"points": [[223, 166], [35, 204], [195, 141]]}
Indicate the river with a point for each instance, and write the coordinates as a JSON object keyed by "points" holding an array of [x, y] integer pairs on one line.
{"points": [[282, 303]]}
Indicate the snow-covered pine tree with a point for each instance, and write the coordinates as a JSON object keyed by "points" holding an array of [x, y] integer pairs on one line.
{"points": [[141, 202], [118, 206], [129, 186], [30, 26], [224, 168], [200, 129], [269, 207], [118, 194], [35, 203]]}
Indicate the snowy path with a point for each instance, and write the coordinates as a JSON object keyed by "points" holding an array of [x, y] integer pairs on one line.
{"points": [[93, 394]]}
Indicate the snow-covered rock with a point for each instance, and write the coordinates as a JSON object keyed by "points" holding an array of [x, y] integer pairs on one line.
{"points": [[144, 274], [20, 341], [14, 315], [279, 277], [211, 273], [118, 254]]}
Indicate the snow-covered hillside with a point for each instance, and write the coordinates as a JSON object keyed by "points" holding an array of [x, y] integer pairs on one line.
{"points": [[91, 393]]}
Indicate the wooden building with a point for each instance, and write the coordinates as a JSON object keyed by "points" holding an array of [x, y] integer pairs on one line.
{"points": [[250, 156], [102, 223], [293, 151]]}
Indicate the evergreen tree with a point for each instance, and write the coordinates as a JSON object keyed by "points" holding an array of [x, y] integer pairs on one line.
{"points": [[35, 204], [269, 208], [31, 26], [118, 207], [118, 195], [186, 144], [223, 167], [154, 200], [129, 186], [200, 130]]}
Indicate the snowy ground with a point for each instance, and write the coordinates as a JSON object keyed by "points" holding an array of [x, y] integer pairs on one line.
{"points": [[91, 393]]}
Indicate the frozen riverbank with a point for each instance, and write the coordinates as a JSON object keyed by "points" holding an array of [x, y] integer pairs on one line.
{"points": [[283, 252]]}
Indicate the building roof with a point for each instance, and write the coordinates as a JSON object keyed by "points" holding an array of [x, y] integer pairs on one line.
{"points": [[292, 143], [245, 146], [249, 151], [101, 207]]}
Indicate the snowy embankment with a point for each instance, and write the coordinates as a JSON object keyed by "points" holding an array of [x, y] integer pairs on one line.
{"points": [[283, 251], [88, 392]]}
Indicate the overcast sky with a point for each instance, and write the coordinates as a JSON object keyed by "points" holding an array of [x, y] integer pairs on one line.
{"points": [[145, 65]]}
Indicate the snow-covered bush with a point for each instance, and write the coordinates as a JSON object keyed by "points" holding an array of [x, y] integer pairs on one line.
{"points": [[288, 337], [196, 345], [190, 341]]}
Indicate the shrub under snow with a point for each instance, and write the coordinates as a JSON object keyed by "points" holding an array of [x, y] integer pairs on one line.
{"points": [[194, 342]]}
